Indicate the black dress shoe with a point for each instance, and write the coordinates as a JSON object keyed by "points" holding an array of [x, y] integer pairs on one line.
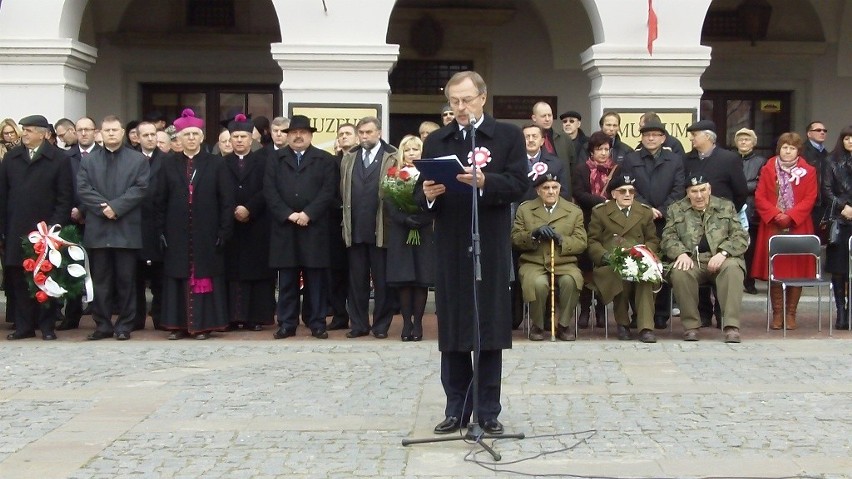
{"points": [[623, 333], [661, 322], [338, 323], [98, 335], [492, 426], [254, 327], [563, 333], [122, 336], [174, 335], [66, 326], [16, 336], [356, 334], [202, 336], [319, 334], [48, 336], [284, 333], [380, 335], [448, 425], [647, 336]]}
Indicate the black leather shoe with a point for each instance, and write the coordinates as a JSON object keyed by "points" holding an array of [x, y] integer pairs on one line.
{"points": [[48, 337], [16, 336], [661, 322], [356, 334], [122, 336], [284, 333], [202, 336], [319, 334], [690, 335], [647, 336], [98, 335], [255, 327], [623, 333], [338, 323], [380, 335], [448, 425], [563, 334], [66, 326], [492, 426], [536, 334]]}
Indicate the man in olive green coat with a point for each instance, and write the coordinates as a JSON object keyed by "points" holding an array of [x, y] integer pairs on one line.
{"points": [[539, 222], [626, 223], [704, 238]]}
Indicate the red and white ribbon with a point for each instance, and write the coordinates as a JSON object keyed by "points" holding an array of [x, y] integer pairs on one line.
{"points": [[538, 168], [52, 242], [481, 155], [797, 174]]}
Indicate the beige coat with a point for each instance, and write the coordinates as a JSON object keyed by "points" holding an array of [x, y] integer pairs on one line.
{"points": [[567, 220], [347, 164]]}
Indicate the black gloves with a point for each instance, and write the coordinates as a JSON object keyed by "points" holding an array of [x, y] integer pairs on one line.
{"points": [[605, 259], [546, 232], [415, 222]]}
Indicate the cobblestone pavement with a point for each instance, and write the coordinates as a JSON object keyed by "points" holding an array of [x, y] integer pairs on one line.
{"points": [[245, 406]]}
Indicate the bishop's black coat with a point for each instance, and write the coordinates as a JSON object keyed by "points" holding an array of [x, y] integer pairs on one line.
{"points": [[505, 181]]}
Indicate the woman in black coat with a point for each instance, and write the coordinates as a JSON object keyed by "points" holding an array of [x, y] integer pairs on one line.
{"points": [[837, 195], [411, 268], [589, 185], [195, 207]]}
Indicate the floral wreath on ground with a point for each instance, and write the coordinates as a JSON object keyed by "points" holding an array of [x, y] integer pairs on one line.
{"points": [[398, 186], [55, 263], [636, 263]]}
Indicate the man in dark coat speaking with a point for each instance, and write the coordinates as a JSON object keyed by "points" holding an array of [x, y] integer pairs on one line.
{"points": [[501, 180]]}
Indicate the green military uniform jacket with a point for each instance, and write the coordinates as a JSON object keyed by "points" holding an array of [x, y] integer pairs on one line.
{"points": [[567, 220], [607, 227], [720, 222]]}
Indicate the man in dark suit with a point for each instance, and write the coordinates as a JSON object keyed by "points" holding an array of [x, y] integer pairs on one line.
{"points": [[35, 186], [361, 172], [251, 282], [85, 130], [555, 141], [299, 187], [815, 153], [501, 180], [112, 184], [149, 267]]}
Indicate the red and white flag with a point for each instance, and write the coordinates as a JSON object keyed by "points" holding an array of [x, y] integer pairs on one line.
{"points": [[652, 27]]}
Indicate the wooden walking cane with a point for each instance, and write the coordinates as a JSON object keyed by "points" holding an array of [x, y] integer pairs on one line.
{"points": [[552, 290]]}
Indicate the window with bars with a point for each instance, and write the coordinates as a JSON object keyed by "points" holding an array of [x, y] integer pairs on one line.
{"points": [[425, 77]]}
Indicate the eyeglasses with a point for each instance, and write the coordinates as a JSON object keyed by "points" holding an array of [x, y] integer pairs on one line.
{"points": [[626, 191], [464, 101], [820, 130], [447, 113], [569, 120]]}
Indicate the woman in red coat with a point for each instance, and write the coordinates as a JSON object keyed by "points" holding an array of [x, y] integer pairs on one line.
{"points": [[785, 195]]}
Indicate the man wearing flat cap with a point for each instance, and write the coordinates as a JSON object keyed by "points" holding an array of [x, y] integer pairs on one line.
{"points": [[35, 186], [659, 182], [251, 282], [538, 223], [571, 124], [705, 241], [299, 186], [623, 222]]}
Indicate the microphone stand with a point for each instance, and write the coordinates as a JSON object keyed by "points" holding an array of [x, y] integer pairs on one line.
{"points": [[475, 433]]}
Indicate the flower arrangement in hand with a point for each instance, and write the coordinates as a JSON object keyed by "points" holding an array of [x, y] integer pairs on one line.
{"points": [[55, 264], [398, 186], [636, 263]]}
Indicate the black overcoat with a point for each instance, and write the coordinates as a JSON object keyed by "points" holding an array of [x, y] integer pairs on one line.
{"points": [[212, 211], [659, 181], [247, 253], [31, 192], [151, 250], [505, 182], [308, 187], [724, 170]]}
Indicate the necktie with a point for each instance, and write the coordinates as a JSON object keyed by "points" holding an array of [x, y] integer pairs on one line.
{"points": [[625, 210], [467, 130], [367, 159], [84, 153], [298, 159], [32, 153]]}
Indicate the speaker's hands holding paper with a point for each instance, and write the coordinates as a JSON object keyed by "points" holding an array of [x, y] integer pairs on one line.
{"points": [[467, 177], [433, 190]]}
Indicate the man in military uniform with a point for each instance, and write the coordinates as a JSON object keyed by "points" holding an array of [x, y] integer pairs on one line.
{"points": [[626, 223], [537, 223], [704, 238]]}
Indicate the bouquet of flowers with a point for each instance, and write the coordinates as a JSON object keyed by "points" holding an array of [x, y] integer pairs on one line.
{"points": [[56, 265], [398, 186], [637, 263]]}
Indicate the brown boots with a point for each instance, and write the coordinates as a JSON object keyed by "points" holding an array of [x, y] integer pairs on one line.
{"points": [[776, 295]]}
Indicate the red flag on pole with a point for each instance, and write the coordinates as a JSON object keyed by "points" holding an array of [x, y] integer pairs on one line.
{"points": [[652, 27]]}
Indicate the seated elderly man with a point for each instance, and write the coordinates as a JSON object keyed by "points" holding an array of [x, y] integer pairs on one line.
{"points": [[704, 238], [626, 223], [539, 222]]}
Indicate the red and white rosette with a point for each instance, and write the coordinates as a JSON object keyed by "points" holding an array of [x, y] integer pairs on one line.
{"points": [[538, 168], [47, 243], [481, 156], [797, 173]]}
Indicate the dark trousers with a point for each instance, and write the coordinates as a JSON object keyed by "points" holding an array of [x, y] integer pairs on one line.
{"points": [[29, 313], [366, 261], [288, 298], [251, 302], [114, 278], [457, 377], [148, 275], [337, 280]]}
